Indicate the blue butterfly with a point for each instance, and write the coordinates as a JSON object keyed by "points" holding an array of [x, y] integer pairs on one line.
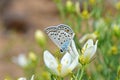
{"points": [[61, 35]]}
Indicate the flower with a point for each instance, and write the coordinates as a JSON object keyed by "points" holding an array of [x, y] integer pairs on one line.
{"points": [[77, 7], [92, 2], [114, 50], [116, 29], [88, 52], [87, 36], [24, 61], [69, 6], [32, 56], [117, 5], [73, 50], [62, 68], [85, 14], [40, 38], [23, 78], [20, 60]]}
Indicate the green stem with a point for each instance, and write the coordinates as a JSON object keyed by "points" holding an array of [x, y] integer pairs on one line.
{"points": [[59, 78], [81, 75], [87, 26], [76, 78], [61, 10], [53, 77]]}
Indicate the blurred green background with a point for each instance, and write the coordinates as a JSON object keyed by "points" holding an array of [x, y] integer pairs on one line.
{"points": [[19, 19]]}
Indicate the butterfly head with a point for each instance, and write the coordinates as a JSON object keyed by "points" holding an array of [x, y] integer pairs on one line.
{"points": [[62, 51]]}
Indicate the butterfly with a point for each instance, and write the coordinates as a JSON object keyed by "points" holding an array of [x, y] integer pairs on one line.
{"points": [[61, 35]]}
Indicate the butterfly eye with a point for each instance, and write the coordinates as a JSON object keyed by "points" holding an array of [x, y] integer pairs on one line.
{"points": [[61, 50]]}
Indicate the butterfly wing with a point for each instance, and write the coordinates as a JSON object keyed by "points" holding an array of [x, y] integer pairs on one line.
{"points": [[50, 29], [66, 28], [53, 34], [65, 46], [61, 35], [67, 34]]}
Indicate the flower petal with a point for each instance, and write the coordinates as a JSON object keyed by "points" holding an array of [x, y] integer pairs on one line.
{"points": [[72, 53], [32, 78], [68, 69], [20, 60], [22, 78], [94, 50], [50, 61], [66, 60], [73, 64], [87, 36], [82, 39], [88, 44], [74, 49], [89, 52]]}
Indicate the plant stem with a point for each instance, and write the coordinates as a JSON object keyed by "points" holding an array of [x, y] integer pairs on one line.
{"points": [[62, 79], [59, 78], [76, 78], [81, 75], [53, 77]]}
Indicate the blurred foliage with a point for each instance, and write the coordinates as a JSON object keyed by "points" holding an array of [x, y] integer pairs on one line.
{"points": [[94, 16], [87, 17]]}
